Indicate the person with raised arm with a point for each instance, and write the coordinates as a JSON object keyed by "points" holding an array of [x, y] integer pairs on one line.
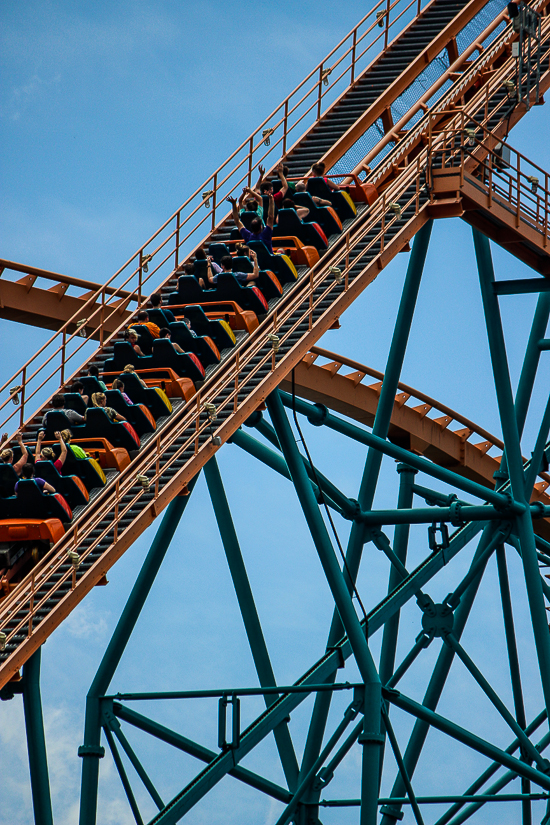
{"points": [[257, 231]]}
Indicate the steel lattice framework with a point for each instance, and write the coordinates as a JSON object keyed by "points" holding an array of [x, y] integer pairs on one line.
{"points": [[452, 162]]}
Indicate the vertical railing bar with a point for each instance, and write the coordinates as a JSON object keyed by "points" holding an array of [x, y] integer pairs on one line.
{"points": [[353, 49], [63, 345], [388, 5], [215, 189], [250, 153], [346, 280], [117, 496], [177, 251], [23, 388]]}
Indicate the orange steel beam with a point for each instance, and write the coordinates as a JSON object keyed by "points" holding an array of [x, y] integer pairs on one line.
{"points": [[424, 428], [495, 57], [236, 394], [26, 303], [443, 40]]}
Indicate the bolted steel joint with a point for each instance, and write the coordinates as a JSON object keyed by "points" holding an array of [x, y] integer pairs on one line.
{"points": [[318, 415], [438, 622]]}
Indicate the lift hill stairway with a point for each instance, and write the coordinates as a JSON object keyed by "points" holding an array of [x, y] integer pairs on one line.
{"points": [[123, 510]]}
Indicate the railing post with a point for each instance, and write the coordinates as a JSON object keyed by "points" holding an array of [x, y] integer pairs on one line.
{"points": [[250, 151], [518, 184], [157, 468], [214, 187], [102, 315], [354, 45], [64, 341], [320, 92], [388, 6], [236, 398], [115, 535], [140, 276], [418, 8], [23, 385], [177, 250], [285, 127], [346, 281]]}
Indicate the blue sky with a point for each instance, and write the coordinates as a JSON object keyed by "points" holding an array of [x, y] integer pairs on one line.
{"points": [[110, 115]]}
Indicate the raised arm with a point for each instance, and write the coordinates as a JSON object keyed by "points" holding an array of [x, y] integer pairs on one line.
{"points": [[38, 448], [271, 212], [261, 170], [24, 454], [281, 176], [251, 193], [235, 213], [255, 274], [63, 453], [210, 274]]}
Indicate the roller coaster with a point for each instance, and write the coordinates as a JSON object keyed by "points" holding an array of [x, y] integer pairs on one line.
{"points": [[410, 114]]}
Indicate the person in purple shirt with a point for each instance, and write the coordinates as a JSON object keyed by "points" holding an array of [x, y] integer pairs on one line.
{"points": [[257, 231], [28, 472], [242, 277]]}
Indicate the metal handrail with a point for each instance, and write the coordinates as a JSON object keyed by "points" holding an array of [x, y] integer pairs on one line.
{"points": [[413, 393], [300, 303], [249, 163]]}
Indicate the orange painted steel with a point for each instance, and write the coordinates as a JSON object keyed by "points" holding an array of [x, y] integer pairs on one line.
{"points": [[508, 199], [381, 106], [25, 302], [308, 310], [165, 245], [418, 423]]}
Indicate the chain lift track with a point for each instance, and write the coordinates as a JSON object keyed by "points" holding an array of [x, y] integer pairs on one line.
{"points": [[450, 158]]}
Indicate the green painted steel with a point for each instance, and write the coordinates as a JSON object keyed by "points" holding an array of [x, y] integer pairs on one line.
{"points": [[503, 387], [36, 741], [371, 713], [91, 750], [249, 614]]}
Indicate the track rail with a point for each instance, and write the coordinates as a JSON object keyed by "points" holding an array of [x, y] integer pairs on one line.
{"points": [[124, 508]]}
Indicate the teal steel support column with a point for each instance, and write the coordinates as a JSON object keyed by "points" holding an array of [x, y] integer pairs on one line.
{"points": [[371, 737], [374, 458], [400, 543], [91, 750], [531, 360], [36, 741], [513, 660], [437, 681], [249, 613], [524, 525]]}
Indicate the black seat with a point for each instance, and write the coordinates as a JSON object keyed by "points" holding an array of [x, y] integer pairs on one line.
{"points": [[281, 265], [8, 480], [247, 217], [33, 503], [267, 281], [219, 331], [91, 385], [56, 420], [185, 364], [218, 251], [74, 401], [161, 316], [71, 487], [119, 433], [124, 353], [344, 208], [247, 297], [326, 217], [86, 469], [144, 395], [199, 345], [145, 340], [189, 292], [310, 234], [141, 419]]}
